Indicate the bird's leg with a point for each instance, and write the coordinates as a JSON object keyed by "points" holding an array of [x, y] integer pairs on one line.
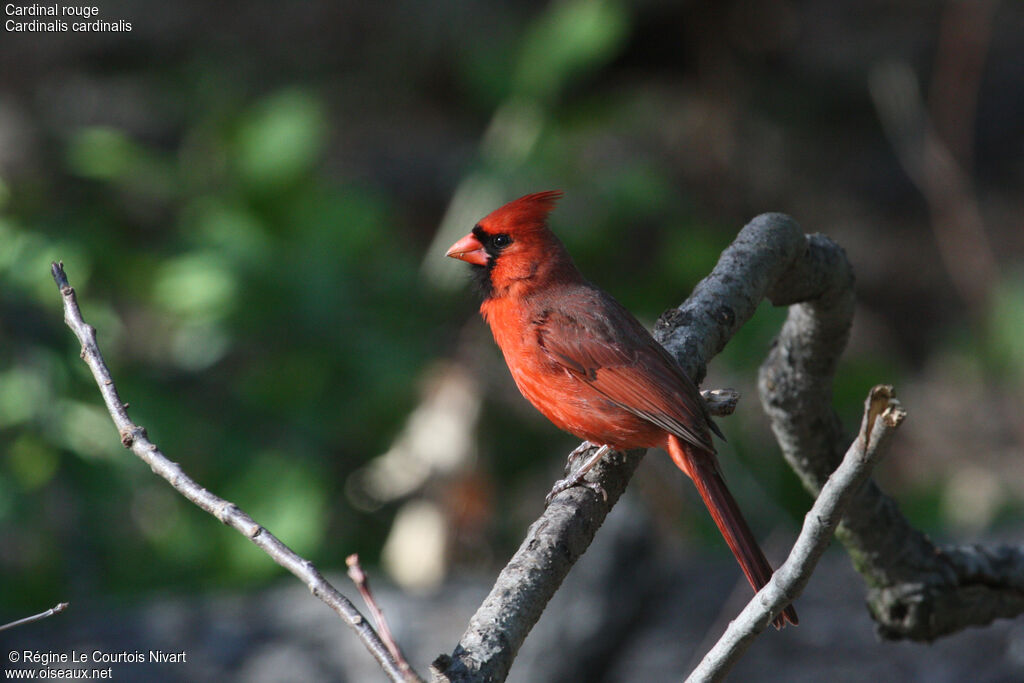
{"points": [[577, 452], [576, 477]]}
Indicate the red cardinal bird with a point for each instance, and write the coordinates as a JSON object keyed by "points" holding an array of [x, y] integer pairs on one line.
{"points": [[590, 367]]}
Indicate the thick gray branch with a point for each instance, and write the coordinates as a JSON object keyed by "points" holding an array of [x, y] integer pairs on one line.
{"points": [[134, 438], [916, 590], [525, 586]]}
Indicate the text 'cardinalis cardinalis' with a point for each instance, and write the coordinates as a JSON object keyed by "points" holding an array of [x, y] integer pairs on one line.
{"points": [[589, 366]]}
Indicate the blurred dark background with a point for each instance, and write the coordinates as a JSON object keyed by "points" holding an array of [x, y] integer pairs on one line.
{"points": [[253, 202]]}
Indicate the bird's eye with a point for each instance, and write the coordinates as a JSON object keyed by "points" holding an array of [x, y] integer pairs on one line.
{"points": [[502, 240]]}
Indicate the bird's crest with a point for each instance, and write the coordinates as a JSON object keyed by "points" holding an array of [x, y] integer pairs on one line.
{"points": [[528, 212]]}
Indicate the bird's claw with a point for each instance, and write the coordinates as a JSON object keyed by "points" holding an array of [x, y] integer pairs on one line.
{"points": [[596, 488], [576, 478]]}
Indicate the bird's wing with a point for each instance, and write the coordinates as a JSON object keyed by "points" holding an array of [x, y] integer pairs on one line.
{"points": [[603, 345]]}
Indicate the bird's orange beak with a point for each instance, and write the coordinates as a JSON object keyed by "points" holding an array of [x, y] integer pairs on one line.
{"points": [[470, 250]]}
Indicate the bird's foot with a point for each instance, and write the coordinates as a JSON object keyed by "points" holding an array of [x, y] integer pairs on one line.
{"points": [[576, 477], [576, 453]]}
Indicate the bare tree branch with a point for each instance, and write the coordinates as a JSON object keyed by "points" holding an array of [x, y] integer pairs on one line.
{"points": [[882, 415], [358, 576], [56, 609], [552, 545], [134, 438], [916, 590]]}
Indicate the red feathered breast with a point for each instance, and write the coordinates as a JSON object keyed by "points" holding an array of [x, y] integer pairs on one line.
{"points": [[567, 393]]}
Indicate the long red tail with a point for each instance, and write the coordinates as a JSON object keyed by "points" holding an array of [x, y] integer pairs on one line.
{"points": [[701, 467]]}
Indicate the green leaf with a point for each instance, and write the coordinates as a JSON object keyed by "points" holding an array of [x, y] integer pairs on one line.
{"points": [[32, 461], [196, 285], [569, 39], [280, 139], [1006, 323], [102, 153]]}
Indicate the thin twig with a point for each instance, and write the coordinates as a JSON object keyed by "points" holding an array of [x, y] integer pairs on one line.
{"points": [[359, 578], [56, 609], [882, 415], [134, 438]]}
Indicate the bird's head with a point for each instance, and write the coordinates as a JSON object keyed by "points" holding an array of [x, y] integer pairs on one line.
{"points": [[512, 248]]}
